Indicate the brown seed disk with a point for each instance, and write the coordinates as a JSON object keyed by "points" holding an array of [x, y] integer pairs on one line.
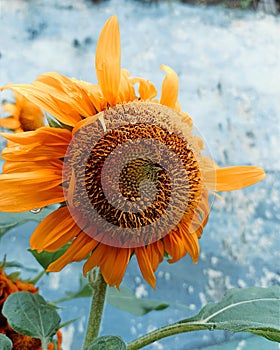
{"points": [[135, 174]]}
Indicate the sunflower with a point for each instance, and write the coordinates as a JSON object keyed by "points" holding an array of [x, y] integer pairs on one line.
{"points": [[126, 169], [10, 284], [23, 115]]}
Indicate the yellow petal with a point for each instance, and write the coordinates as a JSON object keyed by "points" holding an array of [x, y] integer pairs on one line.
{"points": [[146, 89], [145, 263], [94, 93], [60, 96], [43, 143], [43, 136], [108, 60], [9, 123], [11, 167], [31, 122], [29, 190], [170, 88], [78, 250], [237, 177], [190, 240], [84, 122], [126, 91], [46, 98], [113, 262], [68, 90], [177, 106], [175, 246], [12, 109], [114, 266], [27, 113], [156, 253], [96, 258], [54, 231], [201, 216]]}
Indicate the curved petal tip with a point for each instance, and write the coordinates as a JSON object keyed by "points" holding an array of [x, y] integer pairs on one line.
{"points": [[170, 87]]}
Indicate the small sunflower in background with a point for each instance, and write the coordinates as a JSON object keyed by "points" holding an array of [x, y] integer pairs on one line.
{"points": [[23, 115], [10, 284], [127, 169]]}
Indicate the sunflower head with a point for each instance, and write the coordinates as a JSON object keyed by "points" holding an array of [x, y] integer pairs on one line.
{"points": [[23, 115], [126, 168], [132, 174]]}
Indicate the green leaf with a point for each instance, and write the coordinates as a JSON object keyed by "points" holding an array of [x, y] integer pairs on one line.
{"points": [[17, 265], [14, 276], [107, 342], [127, 301], [269, 334], [255, 310], [5, 342], [36, 278], [53, 123], [84, 291], [66, 323], [31, 315], [10, 220], [46, 258], [123, 299]]}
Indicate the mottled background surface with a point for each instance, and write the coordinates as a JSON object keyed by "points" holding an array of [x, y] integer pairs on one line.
{"points": [[229, 68]]}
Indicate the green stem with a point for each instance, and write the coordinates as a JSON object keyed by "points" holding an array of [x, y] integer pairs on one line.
{"points": [[97, 304], [160, 333], [44, 344], [38, 277]]}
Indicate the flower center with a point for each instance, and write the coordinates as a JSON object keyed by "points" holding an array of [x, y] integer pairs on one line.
{"points": [[139, 180], [131, 174], [134, 173]]}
